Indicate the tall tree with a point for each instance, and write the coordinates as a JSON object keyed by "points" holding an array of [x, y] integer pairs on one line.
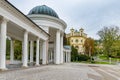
{"points": [[108, 36], [89, 46], [74, 53]]}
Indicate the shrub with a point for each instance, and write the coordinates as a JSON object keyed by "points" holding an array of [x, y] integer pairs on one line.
{"points": [[82, 57]]}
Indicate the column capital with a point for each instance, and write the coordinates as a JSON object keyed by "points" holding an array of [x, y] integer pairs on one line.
{"points": [[38, 38], [3, 19], [12, 39], [25, 31], [62, 34], [58, 30]]}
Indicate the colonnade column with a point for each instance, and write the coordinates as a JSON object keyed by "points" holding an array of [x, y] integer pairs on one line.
{"points": [[31, 51], [37, 52], [51, 56], [70, 56], [44, 52], [25, 49], [57, 56], [66, 57], [11, 51], [41, 50], [3, 29]]}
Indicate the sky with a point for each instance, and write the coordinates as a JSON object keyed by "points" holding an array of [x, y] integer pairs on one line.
{"points": [[91, 15]]}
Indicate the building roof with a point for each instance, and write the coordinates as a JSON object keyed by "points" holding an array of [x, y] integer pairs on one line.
{"points": [[26, 17], [67, 47], [43, 9]]}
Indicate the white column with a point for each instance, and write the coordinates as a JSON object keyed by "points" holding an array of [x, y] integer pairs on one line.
{"points": [[11, 51], [54, 54], [22, 50], [31, 51], [3, 29], [57, 60], [66, 57], [37, 52], [41, 50], [25, 49], [61, 56], [44, 54], [70, 56], [51, 56]]}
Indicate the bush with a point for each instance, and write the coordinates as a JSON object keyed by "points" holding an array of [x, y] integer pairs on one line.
{"points": [[82, 57], [92, 60]]}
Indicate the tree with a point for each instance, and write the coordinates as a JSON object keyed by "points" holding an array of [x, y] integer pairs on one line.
{"points": [[115, 49], [89, 46], [98, 47], [17, 49], [74, 53], [109, 35]]}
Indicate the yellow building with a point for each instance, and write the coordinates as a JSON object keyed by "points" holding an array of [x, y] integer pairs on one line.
{"points": [[77, 39]]}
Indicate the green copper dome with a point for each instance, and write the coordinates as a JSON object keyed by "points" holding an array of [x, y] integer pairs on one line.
{"points": [[43, 9]]}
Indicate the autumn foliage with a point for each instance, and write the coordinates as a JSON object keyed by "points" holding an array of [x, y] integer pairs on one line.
{"points": [[89, 46]]}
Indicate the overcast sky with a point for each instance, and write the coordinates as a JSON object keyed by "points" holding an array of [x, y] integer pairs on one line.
{"points": [[91, 15]]}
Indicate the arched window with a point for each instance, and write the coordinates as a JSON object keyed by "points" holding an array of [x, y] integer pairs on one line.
{"points": [[76, 47]]}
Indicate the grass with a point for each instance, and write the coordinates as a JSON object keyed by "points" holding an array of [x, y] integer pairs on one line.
{"points": [[102, 63], [103, 60]]}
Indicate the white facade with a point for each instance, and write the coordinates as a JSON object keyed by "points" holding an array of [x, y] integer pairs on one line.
{"points": [[77, 39], [46, 31], [17, 26]]}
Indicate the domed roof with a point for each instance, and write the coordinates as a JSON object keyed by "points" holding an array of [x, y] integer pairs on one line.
{"points": [[43, 9]]}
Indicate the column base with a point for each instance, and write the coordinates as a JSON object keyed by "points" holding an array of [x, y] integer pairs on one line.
{"points": [[57, 63], [37, 65], [24, 66], [3, 69], [11, 62], [44, 63]]}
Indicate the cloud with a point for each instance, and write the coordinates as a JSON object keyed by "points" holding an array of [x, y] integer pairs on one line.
{"points": [[91, 15]]}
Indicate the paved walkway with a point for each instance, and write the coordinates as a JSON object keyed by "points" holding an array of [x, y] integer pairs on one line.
{"points": [[71, 71]]}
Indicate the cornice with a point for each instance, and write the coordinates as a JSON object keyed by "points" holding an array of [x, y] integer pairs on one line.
{"points": [[17, 13], [48, 18]]}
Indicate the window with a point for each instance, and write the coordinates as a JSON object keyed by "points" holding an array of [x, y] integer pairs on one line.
{"points": [[76, 47], [81, 40], [71, 40], [76, 40]]}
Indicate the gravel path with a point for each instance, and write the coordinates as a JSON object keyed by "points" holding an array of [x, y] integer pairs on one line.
{"points": [[70, 71]]}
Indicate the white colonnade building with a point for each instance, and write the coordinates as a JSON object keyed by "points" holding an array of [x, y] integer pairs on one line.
{"points": [[41, 25], [48, 20]]}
